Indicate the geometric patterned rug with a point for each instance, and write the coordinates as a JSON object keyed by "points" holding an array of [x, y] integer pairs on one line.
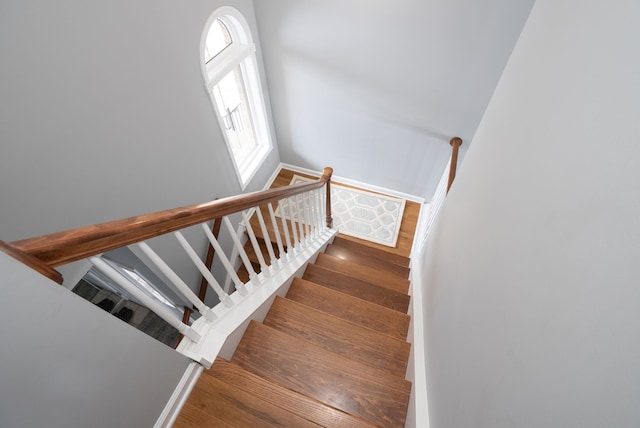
{"points": [[365, 215]]}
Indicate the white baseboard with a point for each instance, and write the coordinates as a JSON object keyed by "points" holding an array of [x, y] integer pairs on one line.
{"points": [[179, 396], [418, 412], [273, 177], [355, 183]]}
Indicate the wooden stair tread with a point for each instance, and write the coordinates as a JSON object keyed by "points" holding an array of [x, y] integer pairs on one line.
{"points": [[357, 288], [237, 407], [350, 308], [340, 336], [192, 417], [376, 253], [363, 259], [243, 274], [294, 402], [331, 378], [369, 274]]}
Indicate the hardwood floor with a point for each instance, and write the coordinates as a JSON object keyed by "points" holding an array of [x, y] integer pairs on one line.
{"points": [[331, 353], [407, 227]]}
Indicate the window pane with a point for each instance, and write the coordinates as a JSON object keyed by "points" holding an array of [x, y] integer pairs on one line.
{"points": [[218, 39], [230, 95]]}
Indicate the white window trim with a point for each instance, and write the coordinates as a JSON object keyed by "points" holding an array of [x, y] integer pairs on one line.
{"points": [[243, 54]]}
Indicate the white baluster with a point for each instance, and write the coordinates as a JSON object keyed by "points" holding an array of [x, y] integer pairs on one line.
{"points": [[323, 203], [146, 301], [235, 236], [300, 212], [225, 262], [254, 243], [304, 197], [293, 224], [224, 298], [320, 225], [314, 213], [276, 231], [285, 228], [266, 237], [177, 282]]}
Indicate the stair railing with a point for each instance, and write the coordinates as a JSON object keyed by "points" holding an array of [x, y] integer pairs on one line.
{"points": [[305, 221], [455, 142]]}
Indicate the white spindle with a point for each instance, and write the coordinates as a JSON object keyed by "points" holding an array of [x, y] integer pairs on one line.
{"points": [[285, 228], [238, 246], [293, 224], [224, 298], [307, 214], [323, 203], [145, 300], [300, 209], [235, 236], [316, 213], [320, 224], [225, 262], [254, 242], [266, 237], [312, 214], [177, 282], [276, 231]]}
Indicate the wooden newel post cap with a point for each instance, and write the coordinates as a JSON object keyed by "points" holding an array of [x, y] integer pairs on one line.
{"points": [[456, 142]]}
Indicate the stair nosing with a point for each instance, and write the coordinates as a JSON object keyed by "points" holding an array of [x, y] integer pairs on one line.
{"points": [[402, 297], [346, 243], [398, 346], [396, 280], [294, 406], [406, 318], [386, 385]]}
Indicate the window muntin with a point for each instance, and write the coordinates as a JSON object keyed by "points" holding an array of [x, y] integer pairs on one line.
{"points": [[231, 74], [218, 38]]}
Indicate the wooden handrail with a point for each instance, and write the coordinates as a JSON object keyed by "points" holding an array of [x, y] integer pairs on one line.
{"points": [[33, 262], [455, 142], [68, 246]]}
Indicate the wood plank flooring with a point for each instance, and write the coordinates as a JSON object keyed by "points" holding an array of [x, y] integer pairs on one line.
{"points": [[407, 227], [331, 353]]}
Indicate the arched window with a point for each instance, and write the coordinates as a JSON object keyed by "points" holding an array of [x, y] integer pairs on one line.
{"points": [[230, 71]]}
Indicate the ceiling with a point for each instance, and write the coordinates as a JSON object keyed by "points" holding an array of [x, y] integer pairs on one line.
{"points": [[376, 89]]}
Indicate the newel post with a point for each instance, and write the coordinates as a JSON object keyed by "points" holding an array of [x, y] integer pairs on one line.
{"points": [[455, 142], [326, 175]]}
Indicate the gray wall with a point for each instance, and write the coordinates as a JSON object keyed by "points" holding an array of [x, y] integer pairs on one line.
{"points": [[376, 89], [64, 364], [532, 302], [103, 113]]}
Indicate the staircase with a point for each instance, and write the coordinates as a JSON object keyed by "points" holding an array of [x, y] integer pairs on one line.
{"points": [[331, 353]]}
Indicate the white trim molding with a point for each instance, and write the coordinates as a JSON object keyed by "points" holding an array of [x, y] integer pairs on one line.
{"points": [[179, 397], [354, 183]]}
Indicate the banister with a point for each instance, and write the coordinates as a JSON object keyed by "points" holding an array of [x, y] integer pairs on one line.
{"points": [[59, 248], [455, 142], [33, 262]]}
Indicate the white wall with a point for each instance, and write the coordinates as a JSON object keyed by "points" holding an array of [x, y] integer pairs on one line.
{"points": [[64, 364], [103, 113], [376, 89], [532, 301]]}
